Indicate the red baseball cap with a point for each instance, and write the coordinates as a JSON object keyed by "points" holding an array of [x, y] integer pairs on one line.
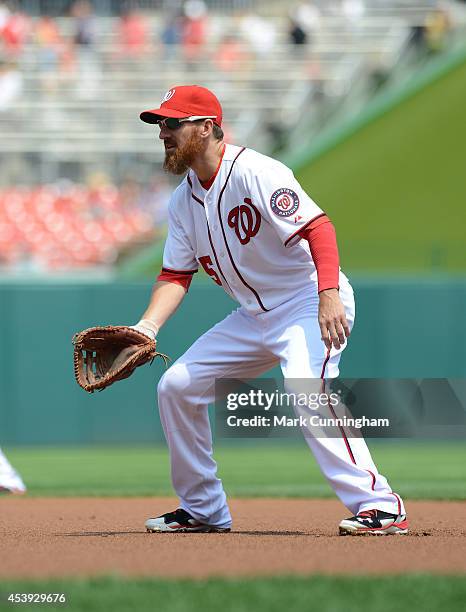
{"points": [[186, 101]]}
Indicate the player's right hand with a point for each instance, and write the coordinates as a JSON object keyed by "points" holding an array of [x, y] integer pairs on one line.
{"points": [[332, 319]]}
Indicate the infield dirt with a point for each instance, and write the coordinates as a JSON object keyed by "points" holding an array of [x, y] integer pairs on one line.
{"points": [[50, 537]]}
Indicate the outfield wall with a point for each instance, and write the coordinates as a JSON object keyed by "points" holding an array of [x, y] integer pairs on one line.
{"points": [[408, 328]]}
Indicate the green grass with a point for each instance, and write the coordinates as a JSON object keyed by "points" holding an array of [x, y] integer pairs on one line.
{"points": [[259, 469], [394, 187], [320, 593]]}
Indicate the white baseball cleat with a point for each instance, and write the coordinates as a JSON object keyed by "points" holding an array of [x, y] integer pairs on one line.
{"points": [[182, 522], [10, 480], [16, 488], [374, 522]]}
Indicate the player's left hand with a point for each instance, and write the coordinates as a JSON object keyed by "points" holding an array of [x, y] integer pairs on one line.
{"points": [[104, 355], [332, 319]]}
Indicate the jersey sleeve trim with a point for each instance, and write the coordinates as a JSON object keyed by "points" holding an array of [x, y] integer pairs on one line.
{"points": [[176, 277], [170, 271], [302, 228]]}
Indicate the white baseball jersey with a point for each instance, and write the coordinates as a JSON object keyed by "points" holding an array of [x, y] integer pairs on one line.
{"points": [[244, 230]]}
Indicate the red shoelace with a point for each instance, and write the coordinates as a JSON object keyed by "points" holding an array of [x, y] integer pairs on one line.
{"points": [[368, 513]]}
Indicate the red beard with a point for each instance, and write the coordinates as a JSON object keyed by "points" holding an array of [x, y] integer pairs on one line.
{"points": [[181, 158]]}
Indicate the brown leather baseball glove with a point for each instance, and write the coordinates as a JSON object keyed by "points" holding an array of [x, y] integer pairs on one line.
{"points": [[104, 355]]}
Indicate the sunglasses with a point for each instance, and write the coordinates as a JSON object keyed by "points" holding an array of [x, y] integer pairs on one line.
{"points": [[173, 124]]}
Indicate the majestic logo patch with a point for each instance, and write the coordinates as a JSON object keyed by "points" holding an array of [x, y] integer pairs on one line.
{"points": [[284, 202], [245, 220], [170, 93]]}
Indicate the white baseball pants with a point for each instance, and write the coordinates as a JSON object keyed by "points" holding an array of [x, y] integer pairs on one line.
{"points": [[245, 346]]}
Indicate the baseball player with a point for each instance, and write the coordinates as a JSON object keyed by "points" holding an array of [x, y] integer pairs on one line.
{"points": [[246, 220], [10, 480]]}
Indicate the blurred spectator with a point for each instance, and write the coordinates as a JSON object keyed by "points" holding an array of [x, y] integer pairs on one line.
{"points": [[296, 33], [229, 53], [259, 32], [50, 47], [306, 16], [11, 85], [83, 16], [88, 61], [432, 35], [172, 34], [14, 29], [194, 29], [133, 33], [437, 27], [66, 225]]}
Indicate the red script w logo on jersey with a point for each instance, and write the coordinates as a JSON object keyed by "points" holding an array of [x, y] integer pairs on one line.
{"points": [[245, 220]]}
